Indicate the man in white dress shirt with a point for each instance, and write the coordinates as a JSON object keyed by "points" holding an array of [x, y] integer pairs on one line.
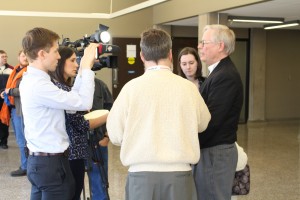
{"points": [[43, 107]]}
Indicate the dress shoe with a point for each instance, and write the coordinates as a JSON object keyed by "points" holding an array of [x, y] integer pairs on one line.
{"points": [[4, 146], [18, 172]]}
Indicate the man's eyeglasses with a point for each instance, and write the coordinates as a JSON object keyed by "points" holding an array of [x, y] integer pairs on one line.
{"points": [[203, 42]]}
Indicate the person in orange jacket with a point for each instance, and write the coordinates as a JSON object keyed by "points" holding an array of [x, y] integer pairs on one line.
{"points": [[14, 110]]}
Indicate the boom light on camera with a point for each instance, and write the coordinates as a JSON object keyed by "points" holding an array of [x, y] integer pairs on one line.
{"points": [[104, 34]]}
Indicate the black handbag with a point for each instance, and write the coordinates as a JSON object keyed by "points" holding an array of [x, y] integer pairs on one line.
{"points": [[241, 182]]}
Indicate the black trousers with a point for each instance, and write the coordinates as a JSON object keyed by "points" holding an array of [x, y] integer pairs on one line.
{"points": [[51, 178], [78, 169], [3, 133]]}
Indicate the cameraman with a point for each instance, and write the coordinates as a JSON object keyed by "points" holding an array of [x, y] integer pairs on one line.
{"points": [[43, 106], [98, 165]]}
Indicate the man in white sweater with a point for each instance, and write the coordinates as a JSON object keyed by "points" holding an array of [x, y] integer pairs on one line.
{"points": [[156, 119]]}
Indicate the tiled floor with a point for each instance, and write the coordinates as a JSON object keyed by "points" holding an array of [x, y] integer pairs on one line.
{"points": [[272, 147]]}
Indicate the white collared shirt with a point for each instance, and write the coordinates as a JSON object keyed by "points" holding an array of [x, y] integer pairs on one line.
{"points": [[212, 67], [4, 70], [43, 105]]}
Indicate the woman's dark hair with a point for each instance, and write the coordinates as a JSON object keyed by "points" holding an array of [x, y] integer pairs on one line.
{"points": [[194, 52], [58, 74]]}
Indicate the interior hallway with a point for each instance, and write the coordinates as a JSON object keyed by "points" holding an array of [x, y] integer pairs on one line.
{"points": [[272, 147]]}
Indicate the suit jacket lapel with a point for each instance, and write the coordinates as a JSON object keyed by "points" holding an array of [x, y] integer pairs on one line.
{"points": [[219, 67]]}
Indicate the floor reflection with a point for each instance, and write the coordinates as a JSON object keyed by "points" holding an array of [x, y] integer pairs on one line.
{"points": [[272, 148]]}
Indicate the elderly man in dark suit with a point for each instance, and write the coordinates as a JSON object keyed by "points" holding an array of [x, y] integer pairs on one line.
{"points": [[223, 93]]}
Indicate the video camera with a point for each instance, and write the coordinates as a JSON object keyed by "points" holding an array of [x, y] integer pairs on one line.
{"points": [[106, 54]]}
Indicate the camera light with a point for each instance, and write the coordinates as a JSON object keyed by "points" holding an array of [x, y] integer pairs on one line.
{"points": [[104, 36]]}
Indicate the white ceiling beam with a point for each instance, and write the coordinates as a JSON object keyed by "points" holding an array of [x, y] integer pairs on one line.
{"points": [[53, 14], [125, 11], [136, 7]]}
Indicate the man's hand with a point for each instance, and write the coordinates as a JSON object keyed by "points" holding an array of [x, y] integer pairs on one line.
{"points": [[2, 95], [88, 59], [104, 142], [6, 91]]}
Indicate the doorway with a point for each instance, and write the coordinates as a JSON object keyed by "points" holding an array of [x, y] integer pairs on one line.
{"points": [[240, 57], [178, 44], [128, 67]]}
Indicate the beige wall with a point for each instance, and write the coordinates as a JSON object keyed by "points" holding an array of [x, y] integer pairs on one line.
{"points": [[283, 74], [184, 31], [179, 9], [257, 85], [274, 74], [93, 6], [274, 71], [126, 26], [130, 25]]}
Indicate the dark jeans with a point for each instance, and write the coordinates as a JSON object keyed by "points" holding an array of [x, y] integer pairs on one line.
{"points": [[50, 177], [18, 125], [96, 173]]}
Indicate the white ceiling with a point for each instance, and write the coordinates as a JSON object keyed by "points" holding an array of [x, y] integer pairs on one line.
{"points": [[287, 9]]}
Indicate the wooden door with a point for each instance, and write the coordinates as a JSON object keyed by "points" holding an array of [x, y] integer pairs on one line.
{"points": [[127, 67]]}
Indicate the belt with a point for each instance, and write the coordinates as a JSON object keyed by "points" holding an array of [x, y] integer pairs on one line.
{"points": [[65, 153]]}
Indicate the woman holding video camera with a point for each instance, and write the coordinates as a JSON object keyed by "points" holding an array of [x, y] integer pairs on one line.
{"points": [[77, 127]]}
